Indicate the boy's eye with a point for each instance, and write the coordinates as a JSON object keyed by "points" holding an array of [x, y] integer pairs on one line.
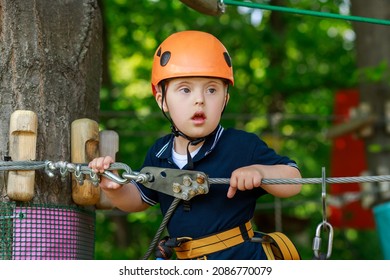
{"points": [[212, 90], [185, 90]]}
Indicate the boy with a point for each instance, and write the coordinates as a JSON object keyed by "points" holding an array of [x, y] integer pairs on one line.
{"points": [[191, 75]]}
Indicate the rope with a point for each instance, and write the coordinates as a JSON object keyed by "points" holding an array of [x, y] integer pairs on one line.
{"points": [[21, 165], [164, 222], [307, 12]]}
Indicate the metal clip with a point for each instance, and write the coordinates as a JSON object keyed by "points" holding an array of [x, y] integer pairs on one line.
{"points": [[79, 175], [323, 195], [49, 167], [94, 178], [324, 224], [317, 241], [115, 178], [119, 179]]}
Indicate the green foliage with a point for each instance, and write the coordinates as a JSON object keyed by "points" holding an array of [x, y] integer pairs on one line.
{"points": [[377, 73], [287, 69]]}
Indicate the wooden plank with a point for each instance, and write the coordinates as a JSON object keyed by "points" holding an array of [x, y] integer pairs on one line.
{"points": [[84, 148], [108, 146], [22, 147]]}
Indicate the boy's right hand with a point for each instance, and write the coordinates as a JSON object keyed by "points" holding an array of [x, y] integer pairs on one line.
{"points": [[99, 165]]}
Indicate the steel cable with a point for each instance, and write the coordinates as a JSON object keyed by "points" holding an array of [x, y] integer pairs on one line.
{"points": [[71, 167]]}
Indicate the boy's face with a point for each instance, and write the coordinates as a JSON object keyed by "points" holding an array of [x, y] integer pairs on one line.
{"points": [[195, 104]]}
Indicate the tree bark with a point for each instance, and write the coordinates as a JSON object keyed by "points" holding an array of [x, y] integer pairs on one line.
{"points": [[50, 63]]}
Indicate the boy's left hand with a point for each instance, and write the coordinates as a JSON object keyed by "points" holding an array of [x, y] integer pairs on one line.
{"points": [[244, 178]]}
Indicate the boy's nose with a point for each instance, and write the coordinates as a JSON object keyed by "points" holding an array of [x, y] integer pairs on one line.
{"points": [[199, 98]]}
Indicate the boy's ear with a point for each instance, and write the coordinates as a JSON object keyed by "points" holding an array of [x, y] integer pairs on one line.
{"points": [[158, 96], [227, 97]]}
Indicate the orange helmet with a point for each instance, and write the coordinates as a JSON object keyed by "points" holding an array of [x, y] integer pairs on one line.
{"points": [[191, 53]]}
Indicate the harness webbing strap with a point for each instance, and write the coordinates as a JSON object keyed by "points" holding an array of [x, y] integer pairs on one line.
{"points": [[280, 247], [214, 243]]}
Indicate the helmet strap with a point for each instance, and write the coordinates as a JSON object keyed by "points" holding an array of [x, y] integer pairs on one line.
{"points": [[224, 106]]}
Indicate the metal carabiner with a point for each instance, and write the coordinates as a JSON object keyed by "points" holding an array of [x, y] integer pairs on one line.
{"points": [[115, 178], [119, 179], [323, 225], [317, 241]]}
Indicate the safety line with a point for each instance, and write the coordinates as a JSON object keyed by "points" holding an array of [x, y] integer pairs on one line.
{"points": [[161, 228], [50, 166], [328, 180], [307, 12]]}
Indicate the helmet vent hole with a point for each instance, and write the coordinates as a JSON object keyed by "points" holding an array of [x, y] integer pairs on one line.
{"points": [[165, 58], [159, 52], [227, 59]]}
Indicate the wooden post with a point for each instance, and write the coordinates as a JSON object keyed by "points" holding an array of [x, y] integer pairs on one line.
{"points": [[208, 7], [22, 147], [84, 148], [108, 146]]}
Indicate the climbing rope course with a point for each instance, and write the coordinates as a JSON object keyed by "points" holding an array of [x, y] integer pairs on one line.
{"points": [[186, 184]]}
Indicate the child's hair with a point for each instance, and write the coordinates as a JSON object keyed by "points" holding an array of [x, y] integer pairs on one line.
{"points": [[191, 54]]}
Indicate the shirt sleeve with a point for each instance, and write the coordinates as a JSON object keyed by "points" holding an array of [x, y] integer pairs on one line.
{"points": [[263, 154]]}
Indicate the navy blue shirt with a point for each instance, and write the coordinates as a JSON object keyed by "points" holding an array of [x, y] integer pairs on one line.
{"points": [[220, 155]]}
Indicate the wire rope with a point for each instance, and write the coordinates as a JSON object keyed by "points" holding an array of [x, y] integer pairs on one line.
{"points": [[34, 165], [160, 230]]}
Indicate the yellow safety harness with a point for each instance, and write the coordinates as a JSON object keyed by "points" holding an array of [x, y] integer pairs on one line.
{"points": [[196, 248], [276, 245]]}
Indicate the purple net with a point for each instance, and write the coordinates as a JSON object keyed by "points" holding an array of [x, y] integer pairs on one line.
{"points": [[41, 232]]}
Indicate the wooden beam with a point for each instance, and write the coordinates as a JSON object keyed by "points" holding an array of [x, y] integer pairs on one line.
{"points": [[351, 126]]}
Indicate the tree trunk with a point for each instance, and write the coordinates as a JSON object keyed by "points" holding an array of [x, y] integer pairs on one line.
{"points": [[50, 63], [373, 50]]}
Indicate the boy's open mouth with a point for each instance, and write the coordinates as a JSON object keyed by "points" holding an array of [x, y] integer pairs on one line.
{"points": [[199, 116]]}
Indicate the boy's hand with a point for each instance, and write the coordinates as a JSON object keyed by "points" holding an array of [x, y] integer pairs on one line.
{"points": [[99, 165], [244, 178]]}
